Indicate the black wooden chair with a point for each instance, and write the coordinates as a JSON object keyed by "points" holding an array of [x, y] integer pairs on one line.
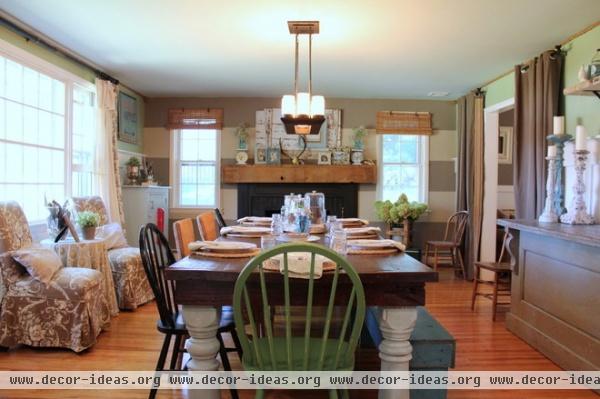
{"points": [[156, 257], [220, 219]]}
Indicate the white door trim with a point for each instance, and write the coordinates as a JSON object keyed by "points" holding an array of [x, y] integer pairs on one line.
{"points": [[490, 165]]}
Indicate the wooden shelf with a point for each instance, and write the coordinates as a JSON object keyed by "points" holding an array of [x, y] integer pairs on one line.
{"points": [[299, 174], [588, 88]]}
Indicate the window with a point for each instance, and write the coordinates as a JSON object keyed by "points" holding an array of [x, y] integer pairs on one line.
{"points": [[195, 163], [404, 166], [47, 132]]}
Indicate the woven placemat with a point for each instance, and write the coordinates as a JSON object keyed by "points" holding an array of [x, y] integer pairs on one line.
{"points": [[388, 251], [253, 235], [201, 254], [362, 237]]}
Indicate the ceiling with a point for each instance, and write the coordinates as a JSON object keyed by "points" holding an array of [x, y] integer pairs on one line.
{"points": [[366, 49]]}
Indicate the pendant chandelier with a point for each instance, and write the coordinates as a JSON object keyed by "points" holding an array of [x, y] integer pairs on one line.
{"points": [[302, 113]]}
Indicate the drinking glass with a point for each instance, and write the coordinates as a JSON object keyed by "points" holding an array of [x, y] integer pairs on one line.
{"points": [[331, 220], [338, 242], [267, 242], [276, 224]]}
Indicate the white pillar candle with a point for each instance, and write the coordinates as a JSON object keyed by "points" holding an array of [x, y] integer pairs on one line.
{"points": [[580, 138], [559, 125], [551, 151]]}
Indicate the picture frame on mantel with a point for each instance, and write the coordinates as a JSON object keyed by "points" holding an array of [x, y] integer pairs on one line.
{"points": [[127, 119]]}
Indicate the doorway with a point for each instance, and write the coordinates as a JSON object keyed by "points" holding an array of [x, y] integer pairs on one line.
{"points": [[496, 196]]}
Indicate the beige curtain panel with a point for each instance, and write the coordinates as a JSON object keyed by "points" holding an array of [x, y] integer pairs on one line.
{"points": [[470, 178], [194, 118], [396, 122]]}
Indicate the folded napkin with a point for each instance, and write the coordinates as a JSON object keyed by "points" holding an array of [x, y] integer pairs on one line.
{"points": [[299, 264], [230, 245], [254, 219], [244, 230], [197, 245], [383, 243], [362, 230], [353, 221]]}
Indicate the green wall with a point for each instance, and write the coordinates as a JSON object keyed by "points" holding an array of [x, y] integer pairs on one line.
{"points": [[577, 109], [583, 110], [78, 70]]}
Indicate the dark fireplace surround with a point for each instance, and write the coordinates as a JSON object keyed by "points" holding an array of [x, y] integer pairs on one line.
{"points": [[264, 199]]}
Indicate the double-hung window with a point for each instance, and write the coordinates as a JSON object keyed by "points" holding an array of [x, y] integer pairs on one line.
{"points": [[47, 132], [404, 166], [195, 166]]}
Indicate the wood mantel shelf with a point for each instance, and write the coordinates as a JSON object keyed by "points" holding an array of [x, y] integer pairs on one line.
{"points": [[311, 173]]}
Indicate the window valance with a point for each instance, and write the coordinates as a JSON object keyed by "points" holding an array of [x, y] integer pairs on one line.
{"points": [[397, 122], [195, 118]]}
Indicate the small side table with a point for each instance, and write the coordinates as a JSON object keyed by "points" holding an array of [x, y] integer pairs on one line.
{"points": [[91, 254]]}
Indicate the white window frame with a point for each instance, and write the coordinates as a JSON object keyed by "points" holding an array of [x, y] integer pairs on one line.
{"points": [[180, 210], [423, 162], [70, 80]]}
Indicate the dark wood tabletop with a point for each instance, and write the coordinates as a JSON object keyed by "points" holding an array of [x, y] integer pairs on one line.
{"points": [[388, 280]]}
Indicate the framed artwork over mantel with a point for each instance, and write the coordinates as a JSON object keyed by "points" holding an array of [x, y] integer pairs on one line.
{"points": [[128, 119]]}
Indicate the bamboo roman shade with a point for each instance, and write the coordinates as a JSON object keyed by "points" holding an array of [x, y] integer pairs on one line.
{"points": [[195, 118], [396, 122]]}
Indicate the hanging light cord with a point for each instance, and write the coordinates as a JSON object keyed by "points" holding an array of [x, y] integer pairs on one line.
{"points": [[296, 78], [310, 68]]}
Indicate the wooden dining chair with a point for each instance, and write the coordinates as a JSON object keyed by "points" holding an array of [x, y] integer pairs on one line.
{"points": [[220, 218], [449, 247], [156, 257], [267, 349], [501, 276], [183, 231], [208, 226]]}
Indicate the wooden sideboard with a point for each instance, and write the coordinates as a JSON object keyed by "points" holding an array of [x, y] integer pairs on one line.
{"points": [[555, 298]]}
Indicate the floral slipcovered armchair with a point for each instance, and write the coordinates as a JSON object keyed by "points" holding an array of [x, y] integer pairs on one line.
{"points": [[130, 279], [69, 312]]}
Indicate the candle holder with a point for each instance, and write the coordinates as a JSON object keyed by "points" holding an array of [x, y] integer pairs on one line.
{"points": [[549, 215], [579, 215], [559, 193]]}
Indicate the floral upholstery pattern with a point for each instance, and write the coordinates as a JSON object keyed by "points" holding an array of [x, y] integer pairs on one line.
{"points": [[131, 283], [69, 312], [133, 288]]}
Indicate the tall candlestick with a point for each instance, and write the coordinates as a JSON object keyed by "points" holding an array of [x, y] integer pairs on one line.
{"points": [[549, 215], [559, 125], [559, 196], [578, 210], [580, 138]]}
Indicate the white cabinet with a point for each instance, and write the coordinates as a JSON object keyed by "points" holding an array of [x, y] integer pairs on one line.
{"points": [[140, 206]]}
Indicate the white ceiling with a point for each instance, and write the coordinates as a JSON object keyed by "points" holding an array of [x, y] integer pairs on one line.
{"points": [[366, 49]]}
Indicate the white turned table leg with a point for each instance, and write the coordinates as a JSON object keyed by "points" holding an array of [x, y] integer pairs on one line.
{"points": [[202, 324], [395, 351]]}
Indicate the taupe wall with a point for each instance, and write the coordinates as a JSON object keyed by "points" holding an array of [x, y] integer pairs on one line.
{"points": [[355, 112]]}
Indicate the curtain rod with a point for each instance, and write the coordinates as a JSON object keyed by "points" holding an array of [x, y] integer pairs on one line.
{"points": [[564, 42], [43, 43]]}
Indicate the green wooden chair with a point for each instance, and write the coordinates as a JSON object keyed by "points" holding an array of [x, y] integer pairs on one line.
{"points": [[263, 351]]}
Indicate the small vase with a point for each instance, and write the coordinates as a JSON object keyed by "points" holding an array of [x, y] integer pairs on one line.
{"points": [[89, 233], [357, 156]]}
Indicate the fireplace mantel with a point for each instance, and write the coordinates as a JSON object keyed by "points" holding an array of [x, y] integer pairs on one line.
{"points": [[311, 173]]}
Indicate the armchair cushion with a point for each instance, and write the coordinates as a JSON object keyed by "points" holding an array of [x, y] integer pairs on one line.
{"points": [[41, 263], [113, 236], [70, 283]]}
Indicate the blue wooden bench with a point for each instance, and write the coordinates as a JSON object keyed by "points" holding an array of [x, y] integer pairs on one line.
{"points": [[433, 347]]}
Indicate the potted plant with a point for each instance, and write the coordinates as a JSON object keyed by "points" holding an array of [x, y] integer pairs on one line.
{"points": [[133, 169], [242, 134], [88, 221], [400, 214]]}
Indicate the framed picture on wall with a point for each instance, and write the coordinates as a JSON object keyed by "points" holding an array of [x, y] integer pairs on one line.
{"points": [[505, 138], [128, 119]]}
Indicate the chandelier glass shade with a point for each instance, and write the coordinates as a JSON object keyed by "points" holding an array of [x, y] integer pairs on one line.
{"points": [[302, 112]]}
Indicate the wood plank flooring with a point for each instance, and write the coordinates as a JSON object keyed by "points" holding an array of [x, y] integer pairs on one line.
{"points": [[133, 344]]}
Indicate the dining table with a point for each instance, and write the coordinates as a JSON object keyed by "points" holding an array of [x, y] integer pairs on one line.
{"points": [[393, 282]]}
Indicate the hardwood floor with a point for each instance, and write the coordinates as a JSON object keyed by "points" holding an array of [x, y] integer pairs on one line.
{"points": [[133, 344]]}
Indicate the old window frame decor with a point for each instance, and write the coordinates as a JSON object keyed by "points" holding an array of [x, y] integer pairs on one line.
{"points": [[505, 146], [128, 119], [400, 122]]}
